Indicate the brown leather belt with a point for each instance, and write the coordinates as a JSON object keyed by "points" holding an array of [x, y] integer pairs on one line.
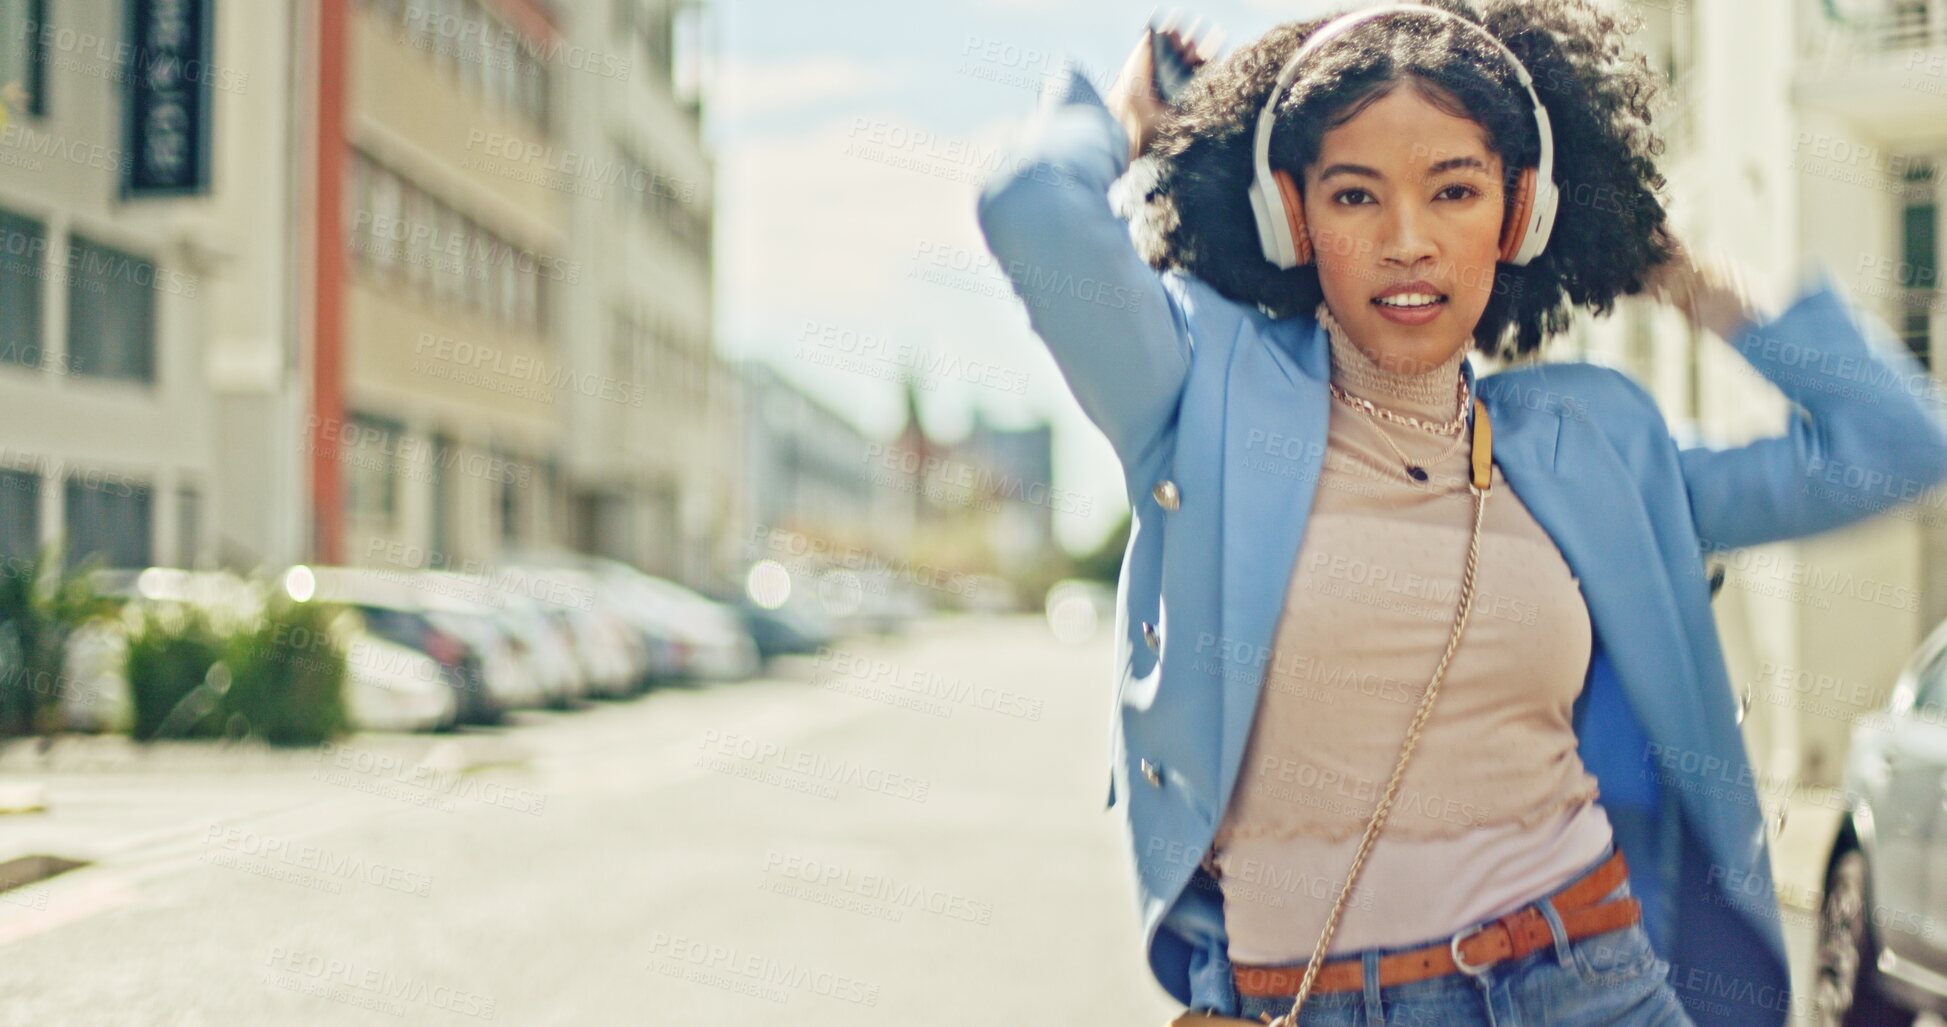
{"points": [[1508, 937]]}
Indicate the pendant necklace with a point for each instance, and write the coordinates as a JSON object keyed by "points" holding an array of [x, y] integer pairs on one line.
{"points": [[1416, 472]]}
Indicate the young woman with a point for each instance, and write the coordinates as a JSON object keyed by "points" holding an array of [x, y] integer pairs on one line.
{"points": [[1343, 541]]}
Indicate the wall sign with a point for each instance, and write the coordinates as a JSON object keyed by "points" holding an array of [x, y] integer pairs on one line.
{"points": [[166, 97]]}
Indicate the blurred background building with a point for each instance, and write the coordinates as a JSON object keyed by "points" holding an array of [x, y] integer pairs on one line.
{"points": [[137, 308], [1815, 136]]}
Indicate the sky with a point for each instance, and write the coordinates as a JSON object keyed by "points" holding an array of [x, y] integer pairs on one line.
{"points": [[851, 139]]}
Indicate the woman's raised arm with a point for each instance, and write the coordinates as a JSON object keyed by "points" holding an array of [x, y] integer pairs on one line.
{"points": [[1116, 327], [1866, 433]]}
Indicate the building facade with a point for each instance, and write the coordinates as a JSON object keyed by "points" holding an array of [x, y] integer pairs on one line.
{"points": [[1813, 138], [145, 307]]}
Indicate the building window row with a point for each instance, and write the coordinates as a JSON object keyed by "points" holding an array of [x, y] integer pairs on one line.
{"points": [[667, 202], [653, 358], [489, 58], [105, 515], [111, 304], [651, 28], [402, 234]]}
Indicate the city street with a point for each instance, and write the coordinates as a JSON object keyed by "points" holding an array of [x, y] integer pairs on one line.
{"points": [[903, 831], [947, 863]]}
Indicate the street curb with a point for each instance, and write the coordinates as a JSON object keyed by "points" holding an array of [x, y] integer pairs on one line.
{"points": [[26, 870]]}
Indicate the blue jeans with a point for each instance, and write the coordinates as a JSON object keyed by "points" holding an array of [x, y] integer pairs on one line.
{"points": [[1612, 978]]}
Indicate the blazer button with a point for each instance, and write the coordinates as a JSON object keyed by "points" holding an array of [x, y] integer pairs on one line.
{"points": [[1167, 495], [1151, 773], [1150, 636]]}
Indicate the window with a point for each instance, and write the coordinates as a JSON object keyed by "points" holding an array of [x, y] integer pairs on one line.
{"points": [[406, 236], [510, 310], [108, 516], [189, 526], [23, 243], [371, 475], [1919, 270], [111, 312], [419, 222], [20, 514], [385, 213], [450, 253], [23, 52], [530, 312], [510, 501]]}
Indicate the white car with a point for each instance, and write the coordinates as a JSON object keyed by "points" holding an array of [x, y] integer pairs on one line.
{"points": [[389, 687], [94, 678], [713, 641], [517, 673]]}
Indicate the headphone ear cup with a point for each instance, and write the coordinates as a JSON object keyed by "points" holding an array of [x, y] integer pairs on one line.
{"points": [[1520, 207], [1294, 212]]}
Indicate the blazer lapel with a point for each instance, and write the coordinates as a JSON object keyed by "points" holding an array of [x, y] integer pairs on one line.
{"points": [[1275, 418]]}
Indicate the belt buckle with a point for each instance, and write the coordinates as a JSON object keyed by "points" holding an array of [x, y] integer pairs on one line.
{"points": [[1453, 949]]}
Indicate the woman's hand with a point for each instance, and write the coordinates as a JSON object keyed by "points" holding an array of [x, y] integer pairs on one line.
{"points": [[1133, 99], [1711, 291]]}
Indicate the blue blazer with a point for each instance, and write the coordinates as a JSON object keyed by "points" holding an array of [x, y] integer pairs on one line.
{"points": [[1217, 415]]}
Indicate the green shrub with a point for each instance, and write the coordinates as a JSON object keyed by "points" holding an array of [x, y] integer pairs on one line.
{"points": [[276, 674], [288, 675], [174, 683], [40, 607]]}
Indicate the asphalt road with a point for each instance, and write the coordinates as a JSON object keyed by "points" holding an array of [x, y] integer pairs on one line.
{"points": [[905, 831], [901, 833]]}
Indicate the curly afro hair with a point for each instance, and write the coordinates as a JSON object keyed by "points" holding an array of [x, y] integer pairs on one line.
{"points": [[1610, 228]]}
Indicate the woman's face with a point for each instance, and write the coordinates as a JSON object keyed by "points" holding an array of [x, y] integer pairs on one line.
{"points": [[1404, 209]]}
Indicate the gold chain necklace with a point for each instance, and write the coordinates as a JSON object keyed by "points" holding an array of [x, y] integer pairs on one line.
{"points": [[1417, 472], [1451, 427]]}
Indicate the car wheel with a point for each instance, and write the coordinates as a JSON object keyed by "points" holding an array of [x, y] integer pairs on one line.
{"points": [[1847, 988]]}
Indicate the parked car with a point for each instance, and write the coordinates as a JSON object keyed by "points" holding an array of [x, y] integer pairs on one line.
{"points": [[710, 636], [95, 695], [551, 646], [613, 657], [1882, 952], [392, 687], [523, 670], [389, 607], [787, 630]]}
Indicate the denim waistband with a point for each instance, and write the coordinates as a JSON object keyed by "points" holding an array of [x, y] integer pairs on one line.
{"points": [[1375, 953]]}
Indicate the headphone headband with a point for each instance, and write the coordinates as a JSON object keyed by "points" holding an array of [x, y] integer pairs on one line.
{"points": [[1268, 203]]}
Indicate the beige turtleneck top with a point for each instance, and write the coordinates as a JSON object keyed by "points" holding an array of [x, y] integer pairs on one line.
{"points": [[1495, 808]]}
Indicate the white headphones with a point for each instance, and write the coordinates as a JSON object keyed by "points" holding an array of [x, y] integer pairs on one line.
{"points": [[1275, 201]]}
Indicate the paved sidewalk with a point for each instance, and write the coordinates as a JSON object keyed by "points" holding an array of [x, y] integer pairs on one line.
{"points": [[85, 799]]}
